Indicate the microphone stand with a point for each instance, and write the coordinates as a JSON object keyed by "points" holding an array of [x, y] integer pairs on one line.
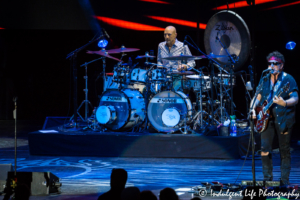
{"points": [[73, 58], [258, 90]]}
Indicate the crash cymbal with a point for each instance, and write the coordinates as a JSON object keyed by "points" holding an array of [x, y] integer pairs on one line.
{"points": [[182, 57], [104, 54], [183, 73], [233, 32], [144, 56], [123, 49]]}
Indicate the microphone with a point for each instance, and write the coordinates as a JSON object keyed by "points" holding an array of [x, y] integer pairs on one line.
{"points": [[105, 33], [267, 70], [251, 76], [184, 41]]}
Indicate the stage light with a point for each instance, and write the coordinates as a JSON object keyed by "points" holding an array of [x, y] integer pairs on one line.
{"points": [[290, 45], [102, 43]]}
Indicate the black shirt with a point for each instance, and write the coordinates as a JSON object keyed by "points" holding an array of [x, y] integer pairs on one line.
{"points": [[283, 116]]}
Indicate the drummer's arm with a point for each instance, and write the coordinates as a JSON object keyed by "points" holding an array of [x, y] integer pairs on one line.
{"points": [[159, 62]]}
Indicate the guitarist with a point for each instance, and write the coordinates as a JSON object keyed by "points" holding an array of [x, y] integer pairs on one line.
{"points": [[282, 116]]}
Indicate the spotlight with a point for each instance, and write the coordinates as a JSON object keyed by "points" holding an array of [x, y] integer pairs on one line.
{"points": [[102, 43], [290, 45]]}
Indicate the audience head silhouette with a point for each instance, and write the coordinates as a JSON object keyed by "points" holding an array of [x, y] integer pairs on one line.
{"points": [[130, 193], [168, 194], [118, 178]]}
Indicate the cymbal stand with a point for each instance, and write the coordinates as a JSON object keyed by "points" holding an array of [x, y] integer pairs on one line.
{"points": [[148, 84], [73, 58]]}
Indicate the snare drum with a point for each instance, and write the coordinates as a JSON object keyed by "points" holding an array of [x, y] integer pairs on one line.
{"points": [[226, 79], [194, 82], [138, 75]]}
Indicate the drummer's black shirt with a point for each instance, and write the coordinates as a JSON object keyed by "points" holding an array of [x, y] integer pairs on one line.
{"points": [[283, 116]]}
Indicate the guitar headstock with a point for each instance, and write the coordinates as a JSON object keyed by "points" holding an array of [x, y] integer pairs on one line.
{"points": [[286, 87]]}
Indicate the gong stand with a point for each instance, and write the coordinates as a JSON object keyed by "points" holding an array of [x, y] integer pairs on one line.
{"points": [[233, 59], [212, 63]]}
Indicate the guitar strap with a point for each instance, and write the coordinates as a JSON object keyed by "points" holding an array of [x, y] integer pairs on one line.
{"points": [[274, 89]]}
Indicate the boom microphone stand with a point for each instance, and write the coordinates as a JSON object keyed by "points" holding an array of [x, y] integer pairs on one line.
{"points": [[73, 58]]}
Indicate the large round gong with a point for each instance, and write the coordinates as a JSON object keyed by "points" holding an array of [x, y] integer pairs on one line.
{"points": [[234, 34]]}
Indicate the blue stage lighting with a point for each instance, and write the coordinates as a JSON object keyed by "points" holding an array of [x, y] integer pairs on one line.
{"points": [[290, 45], [102, 43]]}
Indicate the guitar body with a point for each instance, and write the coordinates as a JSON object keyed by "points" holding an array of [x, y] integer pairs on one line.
{"points": [[261, 121]]}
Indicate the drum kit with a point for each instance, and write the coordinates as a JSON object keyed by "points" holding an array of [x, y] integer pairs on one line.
{"points": [[140, 97], [151, 96]]}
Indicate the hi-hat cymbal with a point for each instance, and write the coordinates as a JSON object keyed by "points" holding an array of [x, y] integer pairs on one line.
{"points": [[144, 56], [123, 49], [104, 54], [182, 57]]}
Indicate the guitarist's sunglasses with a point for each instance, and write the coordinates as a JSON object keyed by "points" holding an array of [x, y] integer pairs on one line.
{"points": [[274, 63]]}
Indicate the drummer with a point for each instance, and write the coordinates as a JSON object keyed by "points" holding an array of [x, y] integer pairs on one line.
{"points": [[173, 47]]}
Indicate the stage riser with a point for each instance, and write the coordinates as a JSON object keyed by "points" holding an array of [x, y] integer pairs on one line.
{"points": [[136, 145]]}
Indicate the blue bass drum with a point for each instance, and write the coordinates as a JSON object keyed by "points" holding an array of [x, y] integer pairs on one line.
{"points": [[167, 110], [121, 109]]}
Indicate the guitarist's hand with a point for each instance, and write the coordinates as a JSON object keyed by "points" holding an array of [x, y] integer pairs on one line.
{"points": [[253, 114], [279, 101]]}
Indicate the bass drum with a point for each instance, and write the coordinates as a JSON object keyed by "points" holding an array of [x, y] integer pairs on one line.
{"points": [[121, 109], [167, 110]]}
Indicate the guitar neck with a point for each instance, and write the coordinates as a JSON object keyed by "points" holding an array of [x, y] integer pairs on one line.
{"points": [[271, 102]]}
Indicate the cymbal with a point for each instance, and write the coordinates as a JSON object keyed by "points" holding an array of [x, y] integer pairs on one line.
{"points": [[182, 57], [144, 56], [104, 54], [184, 73], [123, 49]]}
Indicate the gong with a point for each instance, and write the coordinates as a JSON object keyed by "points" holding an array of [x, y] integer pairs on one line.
{"points": [[234, 34]]}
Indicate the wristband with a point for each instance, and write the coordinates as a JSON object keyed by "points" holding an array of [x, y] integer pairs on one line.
{"points": [[285, 104]]}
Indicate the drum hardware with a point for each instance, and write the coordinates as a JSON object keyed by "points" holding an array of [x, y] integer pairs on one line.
{"points": [[86, 102], [185, 129]]}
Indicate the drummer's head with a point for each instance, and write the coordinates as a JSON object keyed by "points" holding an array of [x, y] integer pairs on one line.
{"points": [[170, 35]]}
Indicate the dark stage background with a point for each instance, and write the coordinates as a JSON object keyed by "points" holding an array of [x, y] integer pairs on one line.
{"points": [[37, 35]]}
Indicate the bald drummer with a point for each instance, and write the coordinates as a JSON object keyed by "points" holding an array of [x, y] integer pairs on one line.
{"points": [[173, 47]]}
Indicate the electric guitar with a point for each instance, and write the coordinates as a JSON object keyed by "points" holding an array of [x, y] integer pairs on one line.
{"points": [[263, 112]]}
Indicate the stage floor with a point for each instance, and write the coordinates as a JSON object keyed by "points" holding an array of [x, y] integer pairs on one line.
{"points": [[87, 177]]}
